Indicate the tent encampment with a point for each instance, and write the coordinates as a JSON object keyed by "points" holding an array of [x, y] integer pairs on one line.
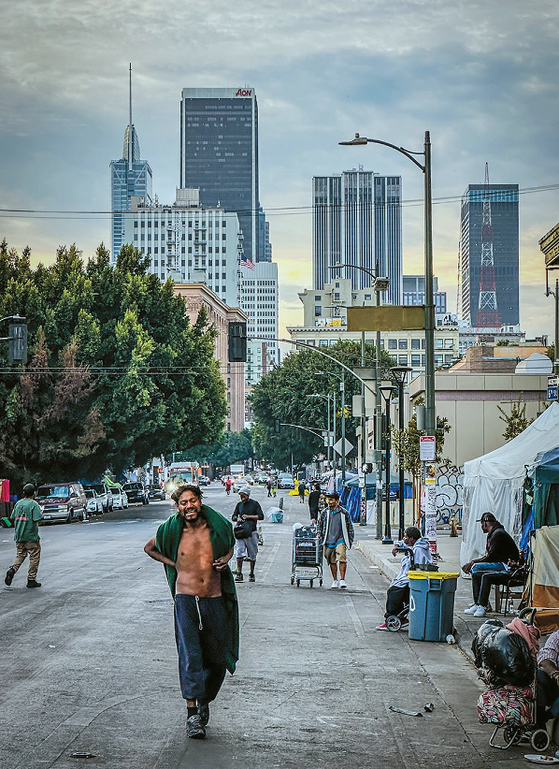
{"points": [[494, 482]]}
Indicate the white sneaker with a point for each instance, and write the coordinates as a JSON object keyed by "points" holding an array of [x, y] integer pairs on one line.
{"points": [[472, 609], [480, 611], [334, 585], [343, 583]]}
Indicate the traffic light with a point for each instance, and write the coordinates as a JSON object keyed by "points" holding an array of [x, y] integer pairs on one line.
{"points": [[238, 342], [17, 343], [367, 468]]}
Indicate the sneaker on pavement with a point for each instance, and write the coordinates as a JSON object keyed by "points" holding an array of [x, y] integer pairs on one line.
{"points": [[251, 578], [334, 584], [33, 583], [9, 576], [382, 626], [343, 583], [472, 609], [238, 577], [195, 729], [480, 611], [203, 712]]}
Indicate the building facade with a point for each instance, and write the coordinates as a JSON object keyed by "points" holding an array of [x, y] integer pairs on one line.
{"points": [[219, 154], [130, 177], [189, 243], [325, 324], [413, 293], [199, 295], [502, 235], [357, 220], [260, 302]]}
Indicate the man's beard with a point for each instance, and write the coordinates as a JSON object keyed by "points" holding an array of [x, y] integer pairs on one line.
{"points": [[192, 518]]}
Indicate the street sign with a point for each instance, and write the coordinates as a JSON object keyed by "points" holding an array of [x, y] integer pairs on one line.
{"points": [[427, 448], [343, 449], [552, 392]]}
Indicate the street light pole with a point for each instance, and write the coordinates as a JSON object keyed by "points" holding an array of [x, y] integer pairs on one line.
{"points": [[399, 373], [387, 391], [429, 305]]}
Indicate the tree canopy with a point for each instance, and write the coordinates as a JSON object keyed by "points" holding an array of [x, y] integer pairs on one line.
{"points": [[116, 371], [280, 398]]}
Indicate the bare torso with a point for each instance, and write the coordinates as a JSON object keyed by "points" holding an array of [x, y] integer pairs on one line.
{"points": [[196, 574]]}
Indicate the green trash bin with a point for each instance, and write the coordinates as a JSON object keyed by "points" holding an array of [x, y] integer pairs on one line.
{"points": [[431, 614]]}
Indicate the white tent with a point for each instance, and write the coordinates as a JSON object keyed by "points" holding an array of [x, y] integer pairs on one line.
{"points": [[493, 482]]}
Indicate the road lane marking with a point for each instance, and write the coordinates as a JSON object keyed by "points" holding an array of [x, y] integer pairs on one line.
{"points": [[357, 624]]}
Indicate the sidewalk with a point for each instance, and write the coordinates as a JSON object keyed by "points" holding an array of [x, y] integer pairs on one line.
{"points": [[449, 549]]}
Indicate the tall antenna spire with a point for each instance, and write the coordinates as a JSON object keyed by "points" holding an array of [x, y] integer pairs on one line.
{"points": [[487, 313], [130, 116]]}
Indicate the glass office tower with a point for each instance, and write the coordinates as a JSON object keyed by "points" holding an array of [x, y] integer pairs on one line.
{"points": [[219, 154], [504, 227], [357, 220]]}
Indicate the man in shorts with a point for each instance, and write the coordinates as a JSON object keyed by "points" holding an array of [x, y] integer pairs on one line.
{"points": [[247, 548], [335, 530]]}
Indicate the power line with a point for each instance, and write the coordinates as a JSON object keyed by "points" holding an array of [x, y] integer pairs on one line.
{"points": [[38, 213]]}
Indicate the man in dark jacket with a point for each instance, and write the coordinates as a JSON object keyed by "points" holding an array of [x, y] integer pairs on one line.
{"points": [[247, 510], [500, 550], [314, 502]]}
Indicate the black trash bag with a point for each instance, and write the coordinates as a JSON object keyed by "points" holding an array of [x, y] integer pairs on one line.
{"points": [[507, 658], [482, 632]]}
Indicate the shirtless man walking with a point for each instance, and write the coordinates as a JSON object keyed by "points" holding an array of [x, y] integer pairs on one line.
{"points": [[196, 544]]}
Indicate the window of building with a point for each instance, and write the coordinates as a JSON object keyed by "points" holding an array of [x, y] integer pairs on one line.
{"points": [[438, 360], [318, 298], [438, 344], [367, 297], [416, 360], [448, 358], [402, 344], [392, 344], [416, 344], [402, 360], [448, 344], [317, 311]]}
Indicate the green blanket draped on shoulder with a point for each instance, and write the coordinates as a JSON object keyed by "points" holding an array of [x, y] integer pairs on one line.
{"points": [[222, 540]]}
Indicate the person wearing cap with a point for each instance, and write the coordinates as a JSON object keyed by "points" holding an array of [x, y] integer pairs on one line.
{"points": [[335, 531], [26, 516], [500, 550], [247, 509]]}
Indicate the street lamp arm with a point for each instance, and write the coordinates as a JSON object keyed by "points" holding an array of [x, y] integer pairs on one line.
{"points": [[301, 427], [365, 140], [314, 349]]}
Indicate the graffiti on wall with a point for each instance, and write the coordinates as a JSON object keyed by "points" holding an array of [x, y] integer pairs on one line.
{"points": [[450, 493]]}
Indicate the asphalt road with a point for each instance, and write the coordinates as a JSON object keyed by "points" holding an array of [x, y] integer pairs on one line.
{"points": [[89, 665]]}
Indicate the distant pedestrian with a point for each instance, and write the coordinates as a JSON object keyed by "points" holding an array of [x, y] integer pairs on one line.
{"points": [[274, 486], [269, 486], [196, 544], [228, 484], [314, 502], [335, 530], [26, 516], [247, 547], [302, 489]]}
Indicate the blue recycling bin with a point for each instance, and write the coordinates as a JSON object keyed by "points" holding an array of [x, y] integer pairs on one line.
{"points": [[431, 614]]}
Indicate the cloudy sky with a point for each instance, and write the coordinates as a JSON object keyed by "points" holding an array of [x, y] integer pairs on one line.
{"points": [[482, 77]]}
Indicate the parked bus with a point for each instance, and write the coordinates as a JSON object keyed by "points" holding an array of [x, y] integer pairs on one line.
{"points": [[182, 472]]}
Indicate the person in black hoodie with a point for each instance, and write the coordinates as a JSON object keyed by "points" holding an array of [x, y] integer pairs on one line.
{"points": [[500, 550]]}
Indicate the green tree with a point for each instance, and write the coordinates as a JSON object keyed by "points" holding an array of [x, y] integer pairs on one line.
{"points": [[280, 398], [152, 386], [228, 449]]}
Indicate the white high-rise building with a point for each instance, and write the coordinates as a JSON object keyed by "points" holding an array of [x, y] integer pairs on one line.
{"points": [[189, 243], [260, 301]]}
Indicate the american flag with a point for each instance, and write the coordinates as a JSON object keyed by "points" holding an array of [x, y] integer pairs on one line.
{"points": [[246, 262]]}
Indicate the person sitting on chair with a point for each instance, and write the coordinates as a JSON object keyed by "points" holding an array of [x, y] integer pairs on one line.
{"points": [[417, 551]]}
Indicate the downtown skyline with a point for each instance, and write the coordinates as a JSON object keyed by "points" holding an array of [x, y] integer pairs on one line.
{"points": [[477, 76]]}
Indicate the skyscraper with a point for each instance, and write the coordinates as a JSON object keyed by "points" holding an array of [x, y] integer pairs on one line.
{"points": [[130, 177], [477, 234], [357, 220], [219, 154]]}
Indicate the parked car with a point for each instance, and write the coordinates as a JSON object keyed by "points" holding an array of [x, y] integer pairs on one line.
{"points": [[120, 500], [62, 501], [94, 503], [285, 481], [156, 492], [104, 495], [203, 480], [136, 493]]}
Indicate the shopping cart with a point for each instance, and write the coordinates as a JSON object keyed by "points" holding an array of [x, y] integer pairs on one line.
{"points": [[307, 555]]}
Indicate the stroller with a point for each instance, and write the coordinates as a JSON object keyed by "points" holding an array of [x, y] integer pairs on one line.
{"points": [[510, 707], [307, 555]]}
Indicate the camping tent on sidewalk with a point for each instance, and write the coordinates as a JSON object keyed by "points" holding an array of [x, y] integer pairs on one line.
{"points": [[494, 482]]}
